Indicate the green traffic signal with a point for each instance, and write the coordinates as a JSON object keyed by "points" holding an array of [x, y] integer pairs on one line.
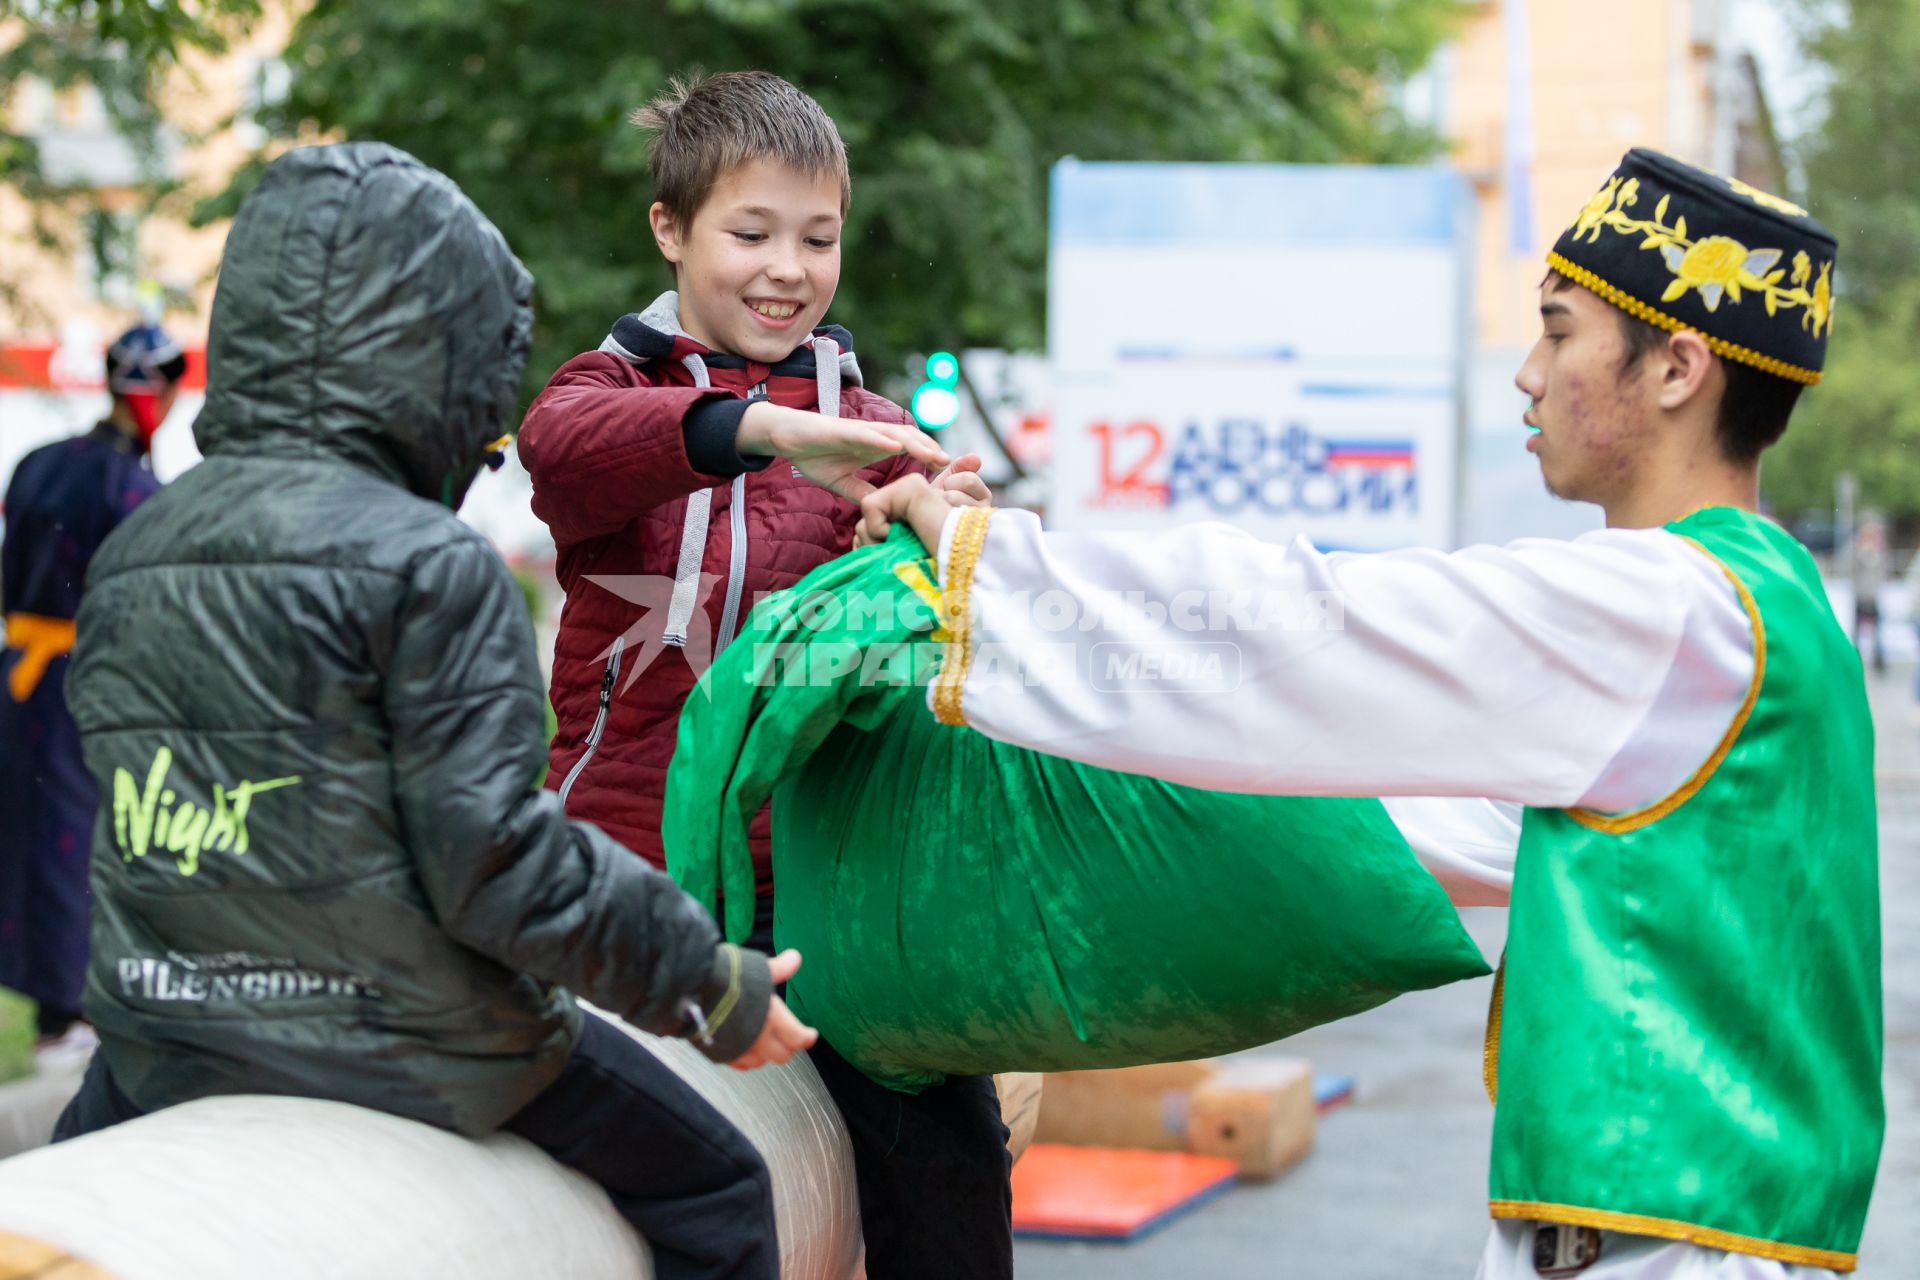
{"points": [[935, 406], [935, 402]]}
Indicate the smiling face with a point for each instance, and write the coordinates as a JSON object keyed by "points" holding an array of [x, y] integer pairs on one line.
{"points": [[1595, 406], [760, 260]]}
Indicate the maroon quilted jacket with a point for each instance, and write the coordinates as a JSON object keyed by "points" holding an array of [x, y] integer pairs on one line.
{"points": [[661, 559]]}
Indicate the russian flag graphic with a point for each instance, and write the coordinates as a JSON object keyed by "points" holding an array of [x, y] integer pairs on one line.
{"points": [[1370, 453]]}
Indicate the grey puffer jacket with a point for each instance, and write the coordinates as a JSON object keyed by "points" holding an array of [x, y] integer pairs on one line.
{"points": [[309, 696]]}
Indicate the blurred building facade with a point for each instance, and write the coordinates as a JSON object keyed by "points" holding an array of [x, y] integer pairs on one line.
{"points": [[1541, 99], [112, 245], [78, 270], [116, 250]]}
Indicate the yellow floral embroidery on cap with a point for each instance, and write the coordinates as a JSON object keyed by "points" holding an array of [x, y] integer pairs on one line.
{"points": [[1598, 208], [1819, 312], [1767, 199], [1718, 267]]}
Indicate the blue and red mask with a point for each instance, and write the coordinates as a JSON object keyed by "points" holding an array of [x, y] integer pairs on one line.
{"points": [[142, 365]]}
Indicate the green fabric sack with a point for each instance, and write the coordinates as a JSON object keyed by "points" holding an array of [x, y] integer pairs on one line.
{"points": [[965, 906]]}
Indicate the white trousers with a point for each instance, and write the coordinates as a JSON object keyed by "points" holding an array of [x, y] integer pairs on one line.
{"points": [[1511, 1246]]}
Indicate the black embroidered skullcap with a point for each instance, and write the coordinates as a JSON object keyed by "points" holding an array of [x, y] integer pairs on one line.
{"points": [[1683, 248]]}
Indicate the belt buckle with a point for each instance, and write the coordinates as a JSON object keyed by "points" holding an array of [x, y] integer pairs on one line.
{"points": [[1561, 1250]]}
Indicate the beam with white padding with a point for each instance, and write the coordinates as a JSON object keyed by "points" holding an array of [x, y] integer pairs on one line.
{"points": [[236, 1188]]}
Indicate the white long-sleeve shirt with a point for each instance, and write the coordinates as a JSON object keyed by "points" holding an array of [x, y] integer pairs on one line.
{"points": [[1598, 673]]}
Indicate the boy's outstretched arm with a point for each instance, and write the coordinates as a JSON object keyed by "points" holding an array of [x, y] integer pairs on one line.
{"points": [[507, 873], [832, 452], [603, 444]]}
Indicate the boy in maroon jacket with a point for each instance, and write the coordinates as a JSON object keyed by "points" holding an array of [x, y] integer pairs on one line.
{"points": [[711, 451]]}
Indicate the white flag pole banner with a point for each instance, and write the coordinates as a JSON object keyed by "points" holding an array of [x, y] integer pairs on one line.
{"points": [[1277, 346]]}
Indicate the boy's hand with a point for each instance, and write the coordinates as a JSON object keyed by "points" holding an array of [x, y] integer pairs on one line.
{"points": [[782, 1035], [831, 452], [962, 477], [915, 499]]}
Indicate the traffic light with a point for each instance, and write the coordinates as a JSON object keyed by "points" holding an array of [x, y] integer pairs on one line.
{"points": [[935, 402]]}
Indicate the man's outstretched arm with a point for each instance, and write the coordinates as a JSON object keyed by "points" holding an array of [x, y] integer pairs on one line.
{"points": [[1600, 672]]}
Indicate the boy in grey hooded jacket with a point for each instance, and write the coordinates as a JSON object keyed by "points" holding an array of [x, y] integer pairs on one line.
{"points": [[311, 696]]}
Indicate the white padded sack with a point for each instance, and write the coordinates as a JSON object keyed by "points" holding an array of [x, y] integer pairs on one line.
{"points": [[242, 1187]]}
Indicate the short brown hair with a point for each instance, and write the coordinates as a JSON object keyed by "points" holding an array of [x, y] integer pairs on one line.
{"points": [[706, 126]]}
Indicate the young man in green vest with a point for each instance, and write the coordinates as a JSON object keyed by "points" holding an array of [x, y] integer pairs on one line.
{"points": [[1685, 1041]]}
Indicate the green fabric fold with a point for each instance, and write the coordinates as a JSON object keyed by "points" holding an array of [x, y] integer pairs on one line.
{"points": [[966, 906]]}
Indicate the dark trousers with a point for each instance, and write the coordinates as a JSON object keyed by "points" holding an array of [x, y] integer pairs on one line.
{"points": [[99, 1105], [678, 1170], [933, 1174], [674, 1167], [931, 1168]]}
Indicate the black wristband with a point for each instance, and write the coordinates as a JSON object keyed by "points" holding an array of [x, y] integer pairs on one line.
{"points": [[712, 429]]}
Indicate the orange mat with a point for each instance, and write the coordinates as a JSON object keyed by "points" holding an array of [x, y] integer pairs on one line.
{"points": [[1106, 1193]]}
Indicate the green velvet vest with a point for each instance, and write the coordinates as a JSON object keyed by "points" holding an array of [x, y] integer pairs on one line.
{"points": [[1686, 1036]]}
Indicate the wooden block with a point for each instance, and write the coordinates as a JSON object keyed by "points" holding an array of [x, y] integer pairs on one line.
{"points": [[1140, 1107], [23, 1258], [1020, 1108], [1155, 1077], [1261, 1114], [1258, 1112]]}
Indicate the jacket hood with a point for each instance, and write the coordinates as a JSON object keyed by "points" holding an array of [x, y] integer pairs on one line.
{"points": [[655, 334], [366, 312]]}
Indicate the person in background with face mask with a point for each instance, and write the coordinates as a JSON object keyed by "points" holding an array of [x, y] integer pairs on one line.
{"points": [[63, 500]]}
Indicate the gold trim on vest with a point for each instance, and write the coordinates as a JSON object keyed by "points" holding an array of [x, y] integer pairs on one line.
{"points": [[1634, 1224], [1490, 1048], [1617, 824]]}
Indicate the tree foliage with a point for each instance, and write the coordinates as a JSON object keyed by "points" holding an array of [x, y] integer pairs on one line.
{"points": [[953, 112], [146, 34], [121, 49], [1862, 162]]}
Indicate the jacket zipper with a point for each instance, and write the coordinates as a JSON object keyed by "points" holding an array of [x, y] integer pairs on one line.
{"points": [[736, 551], [599, 719]]}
